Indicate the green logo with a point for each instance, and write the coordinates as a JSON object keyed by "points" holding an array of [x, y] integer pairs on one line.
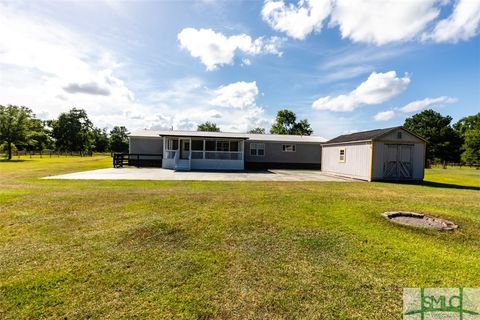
{"points": [[441, 303]]}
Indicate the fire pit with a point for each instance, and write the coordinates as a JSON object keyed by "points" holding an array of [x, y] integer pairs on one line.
{"points": [[419, 220]]}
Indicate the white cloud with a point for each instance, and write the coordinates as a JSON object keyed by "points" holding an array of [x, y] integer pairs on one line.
{"points": [[381, 22], [215, 49], [384, 115], [299, 20], [59, 69], [188, 102], [462, 24], [238, 95], [418, 105], [373, 21], [378, 88], [50, 68]]}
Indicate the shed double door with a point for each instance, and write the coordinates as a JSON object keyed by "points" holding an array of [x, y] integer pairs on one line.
{"points": [[398, 161]]}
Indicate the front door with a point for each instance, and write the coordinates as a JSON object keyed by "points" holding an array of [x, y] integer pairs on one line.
{"points": [[398, 161], [184, 149]]}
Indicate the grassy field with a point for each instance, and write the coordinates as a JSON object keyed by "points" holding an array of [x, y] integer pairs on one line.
{"points": [[228, 250]]}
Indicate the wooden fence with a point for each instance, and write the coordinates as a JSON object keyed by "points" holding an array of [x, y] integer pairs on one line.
{"points": [[51, 153], [445, 165], [137, 159]]}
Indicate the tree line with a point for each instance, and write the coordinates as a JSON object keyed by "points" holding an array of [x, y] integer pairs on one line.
{"points": [[20, 129], [446, 142], [73, 131]]}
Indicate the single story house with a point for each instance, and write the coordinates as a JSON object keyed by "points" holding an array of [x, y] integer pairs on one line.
{"points": [[384, 154], [201, 150]]}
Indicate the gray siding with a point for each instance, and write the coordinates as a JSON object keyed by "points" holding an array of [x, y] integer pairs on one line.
{"points": [[357, 160], [305, 153], [145, 145]]}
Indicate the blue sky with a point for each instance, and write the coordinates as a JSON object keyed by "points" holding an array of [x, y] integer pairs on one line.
{"points": [[344, 65]]}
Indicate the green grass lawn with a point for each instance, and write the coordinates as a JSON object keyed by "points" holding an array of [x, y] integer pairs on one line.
{"points": [[227, 250]]}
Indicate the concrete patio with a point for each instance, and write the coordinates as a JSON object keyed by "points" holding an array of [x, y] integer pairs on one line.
{"points": [[165, 174]]}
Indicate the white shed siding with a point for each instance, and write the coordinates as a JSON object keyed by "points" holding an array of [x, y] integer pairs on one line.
{"points": [[418, 159], [357, 160]]}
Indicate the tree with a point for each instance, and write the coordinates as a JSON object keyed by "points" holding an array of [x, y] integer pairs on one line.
{"points": [[257, 130], [443, 142], [208, 126], [468, 128], [101, 142], [14, 126], [38, 137], [119, 139], [72, 131], [286, 123]]}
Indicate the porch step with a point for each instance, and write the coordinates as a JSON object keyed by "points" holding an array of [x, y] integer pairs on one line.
{"points": [[182, 165]]}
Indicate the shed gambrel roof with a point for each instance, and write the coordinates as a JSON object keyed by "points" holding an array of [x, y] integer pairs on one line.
{"points": [[367, 135]]}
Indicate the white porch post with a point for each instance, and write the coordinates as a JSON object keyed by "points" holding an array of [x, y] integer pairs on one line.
{"points": [[203, 148], [242, 148], [164, 147]]}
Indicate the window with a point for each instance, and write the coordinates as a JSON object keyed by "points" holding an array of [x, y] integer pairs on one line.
{"points": [[341, 155], [172, 144], [223, 146], [197, 145], [210, 145], [288, 148], [257, 149], [399, 135], [233, 145]]}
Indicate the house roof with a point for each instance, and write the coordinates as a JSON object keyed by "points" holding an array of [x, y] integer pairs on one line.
{"points": [[367, 135], [225, 135], [285, 138]]}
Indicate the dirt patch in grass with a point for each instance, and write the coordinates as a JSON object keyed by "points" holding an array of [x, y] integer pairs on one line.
{"points": [[420, 220], [155, 233]]}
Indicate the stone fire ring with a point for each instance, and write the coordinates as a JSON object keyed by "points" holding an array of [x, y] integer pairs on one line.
{"points": [[419, 220]]}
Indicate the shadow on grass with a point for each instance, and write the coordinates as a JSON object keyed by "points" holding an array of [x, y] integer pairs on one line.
{"points": [[13, 160], [448, 185], [435, 185]]}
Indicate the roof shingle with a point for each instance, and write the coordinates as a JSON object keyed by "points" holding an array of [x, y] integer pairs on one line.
{"points": [[361, 136]]}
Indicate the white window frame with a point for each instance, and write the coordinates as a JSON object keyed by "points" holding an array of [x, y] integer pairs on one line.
{"points": [[255, 149], [342, 157], [289, 148]]}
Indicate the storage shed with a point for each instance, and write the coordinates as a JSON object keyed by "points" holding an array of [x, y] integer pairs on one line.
{"points": [[383, 154]]}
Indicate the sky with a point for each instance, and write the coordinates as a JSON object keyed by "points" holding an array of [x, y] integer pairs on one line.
{"points": [[344, 65]]}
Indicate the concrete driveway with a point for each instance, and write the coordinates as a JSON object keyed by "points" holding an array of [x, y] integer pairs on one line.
{"points": [[165, 174]]}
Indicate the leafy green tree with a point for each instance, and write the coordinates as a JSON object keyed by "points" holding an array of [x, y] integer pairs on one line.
{"points": [[101, 142], [119, 139], [15, 124], [208, 126], [72, 131], [286, 123], [38, 137], [469, 129], [257, 130], [443, 141]]}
